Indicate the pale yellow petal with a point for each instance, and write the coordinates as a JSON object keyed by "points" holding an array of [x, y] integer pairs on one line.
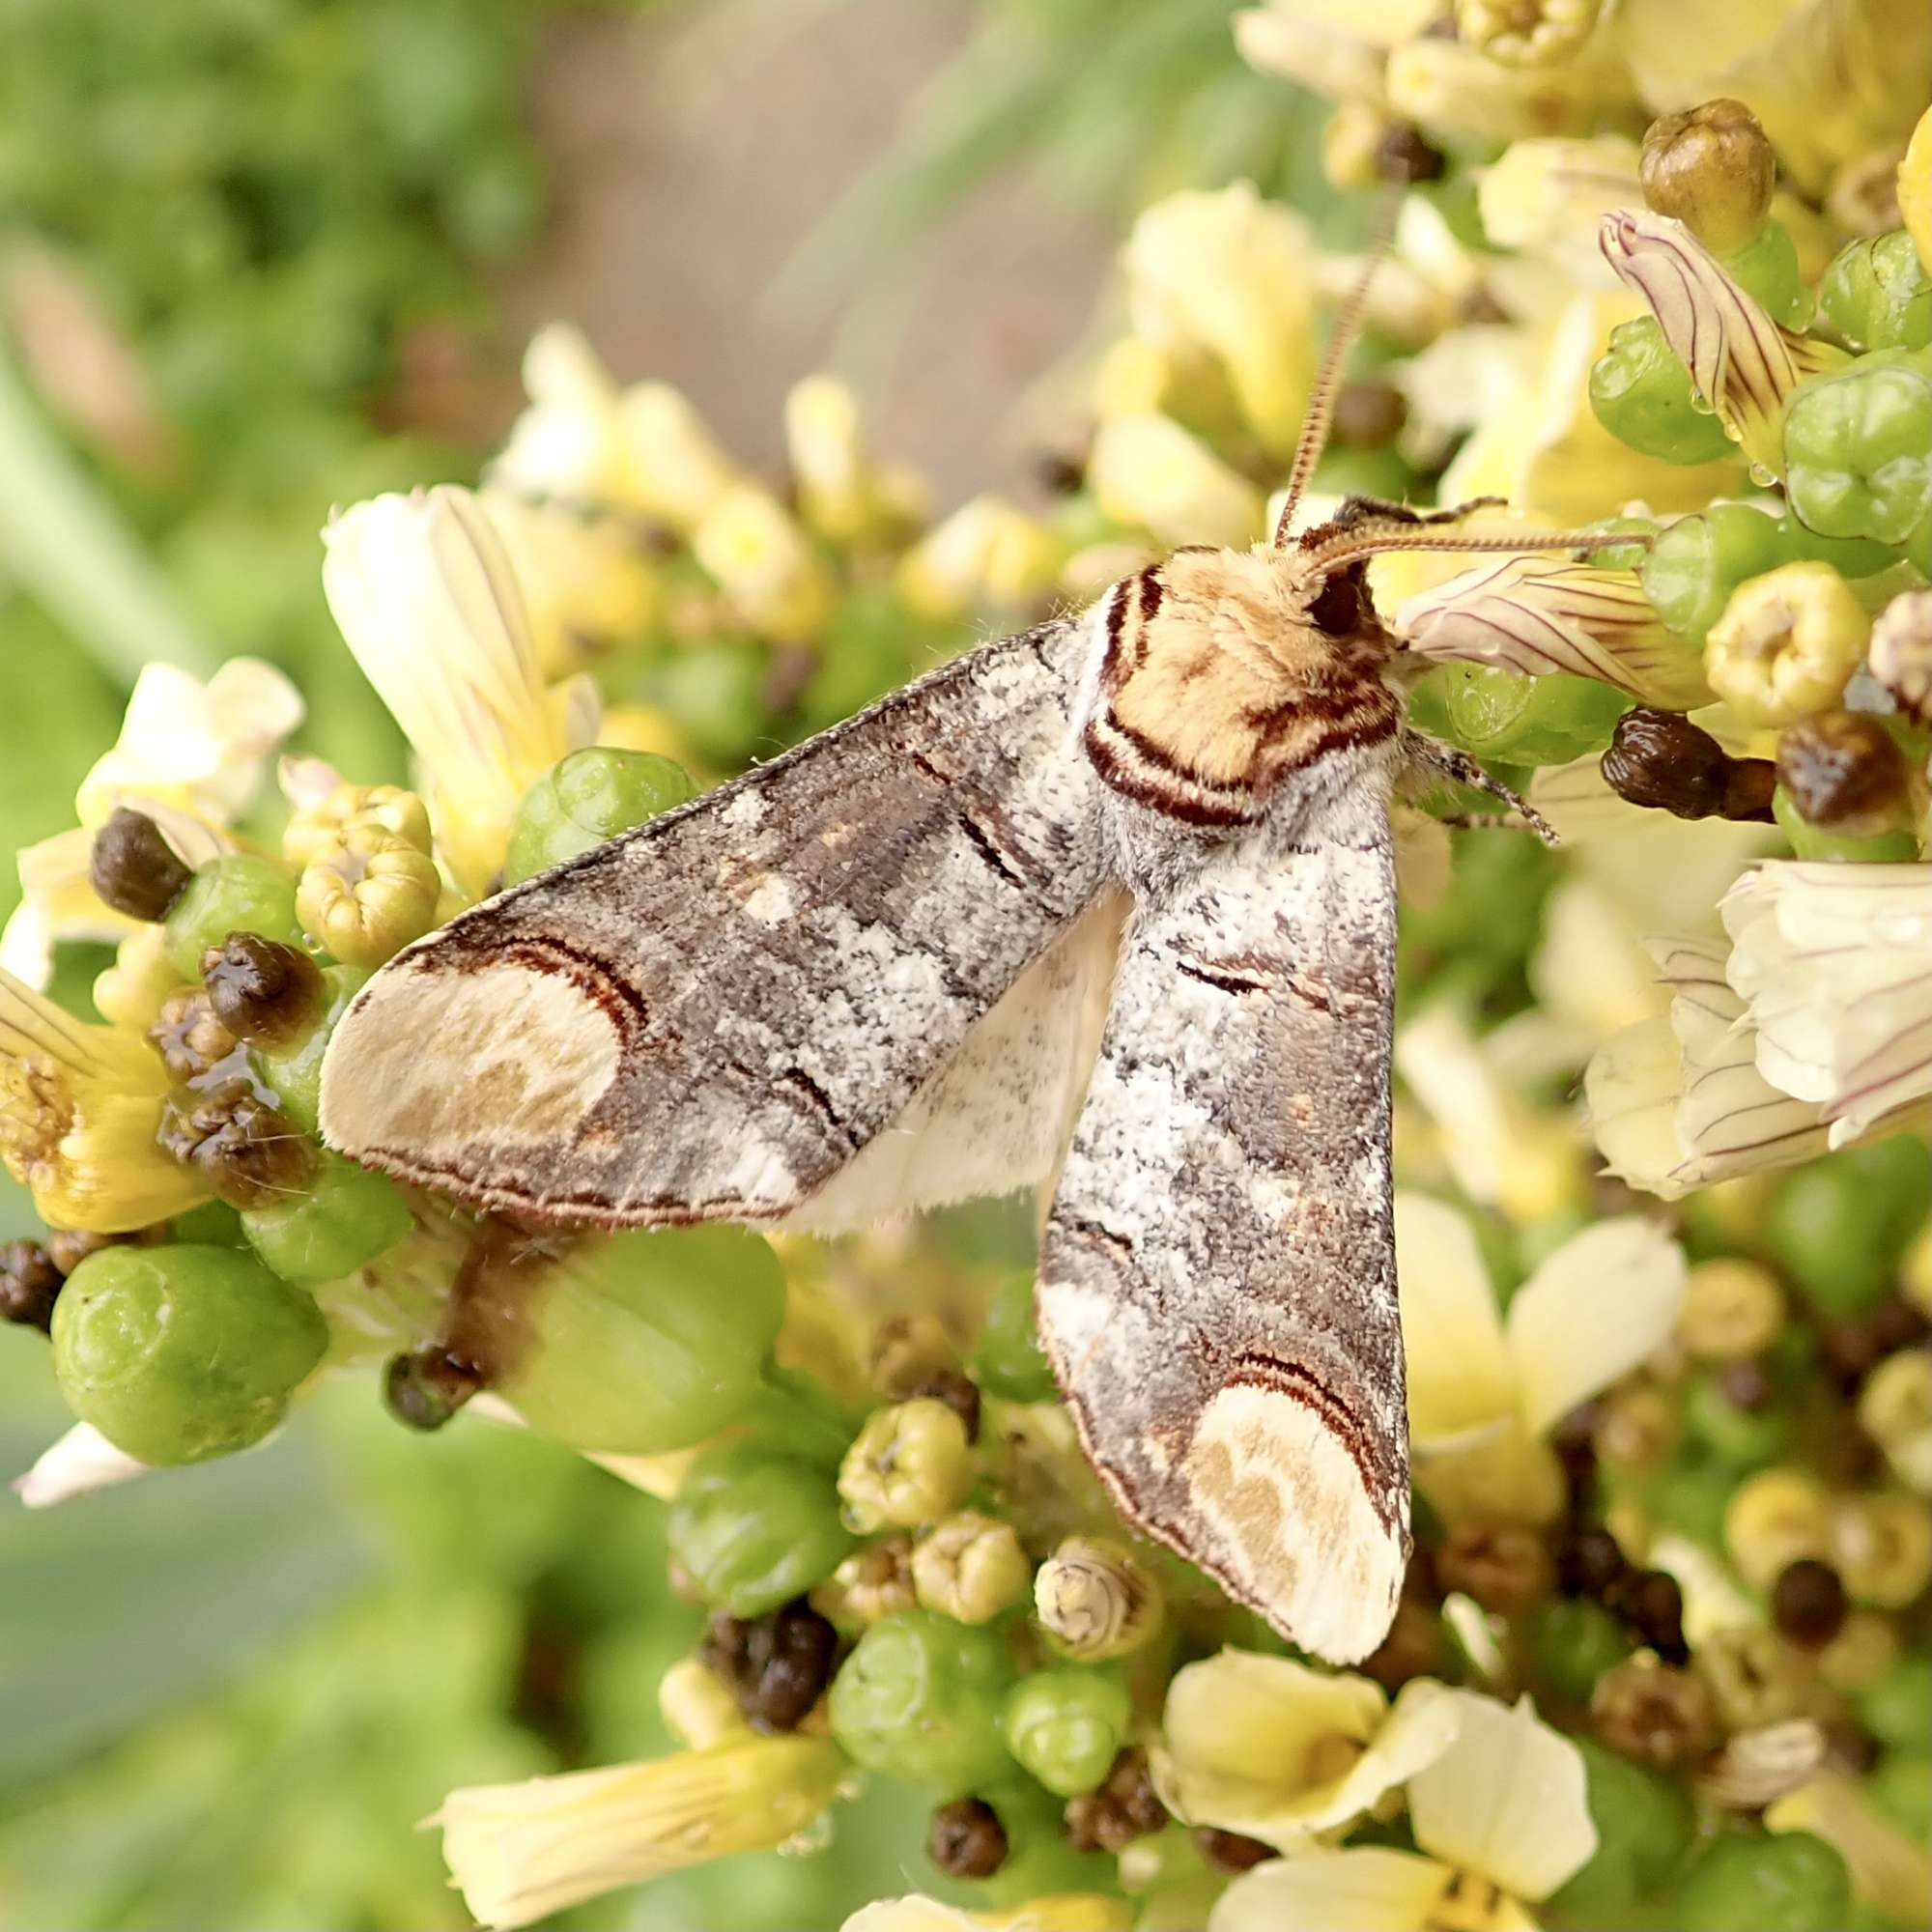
{"points": [[1460, 1375], [1889, 1870], [1364, 1890]]}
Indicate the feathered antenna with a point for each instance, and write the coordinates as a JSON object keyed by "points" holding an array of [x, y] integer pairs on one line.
{"points": [[1370, 539]]}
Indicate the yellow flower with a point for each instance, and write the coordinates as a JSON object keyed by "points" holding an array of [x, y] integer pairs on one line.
{"points": [[585, 578], [1483, 1390], [764, 564], [842, 494], [970, 1567], [364, 897], [1889, 1871], [427, 600], [1148, 470], [79, 1106], [1455, 94], [1549, 195], [1533, 36], [1786, 644], [1268, 1748], [1895, 1410], [1063, 1912], [519, 1852], [1500, 1817], [676, 470], [1095, 1599], [130, 993], [1915, 190], [1228, 277], [566, 443], [986, 552]]}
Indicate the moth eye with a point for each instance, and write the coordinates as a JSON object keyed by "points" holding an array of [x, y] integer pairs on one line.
{"points": [[1337, 605]]}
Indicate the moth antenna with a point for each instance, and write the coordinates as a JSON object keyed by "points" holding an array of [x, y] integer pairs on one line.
{"points": [[1321, 417], [1371, 539]]}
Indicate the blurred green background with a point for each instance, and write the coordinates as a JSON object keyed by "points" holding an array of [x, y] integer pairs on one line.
{"points": [[262, 256]]}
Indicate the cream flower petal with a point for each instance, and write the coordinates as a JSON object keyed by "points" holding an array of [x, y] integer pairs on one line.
{"points": [[1459, 1376], [1596, 1308], [1630, 1090], [58, 901], [1506, 1800], [77, 1464], [1147, 471], [1365, 1890]]}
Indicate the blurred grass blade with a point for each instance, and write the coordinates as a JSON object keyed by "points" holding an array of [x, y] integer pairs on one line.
{"points": [[64, 544]]}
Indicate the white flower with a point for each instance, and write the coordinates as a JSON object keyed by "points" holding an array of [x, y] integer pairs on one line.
{"points": [[1834, 964], [675, 469], [1147, 471], [1550, 194], [566, 443], [424, 593], [519, 1852], [1268, 1748], [1485, 1389], [764, 564], [1500, 1816], [79, 1463]]}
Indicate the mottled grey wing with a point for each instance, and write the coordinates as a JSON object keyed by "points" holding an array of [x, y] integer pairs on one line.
{"points": [[710, 1016], [1217, 1281]]}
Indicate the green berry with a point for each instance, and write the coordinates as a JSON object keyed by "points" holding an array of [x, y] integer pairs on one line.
{"points": [[342, 1220], [1849, 557], [1576, 1643], [650, 1341], [753, 1531], [1530, 720], [1740, 1439], [1622, 557], [920, 1699], [295, 1072], [1643, 1823], [214, 1223], [1642, 394], [586, 799], [1858, 451], [181, 1352], [1067, 1726], [715, 692], [236, 892], [1894, 1708], [1787, 1882], [1698, 561], [1818, 842], [1876, 295], [1765, 268], [1842, 1223], [1010, 1361]]}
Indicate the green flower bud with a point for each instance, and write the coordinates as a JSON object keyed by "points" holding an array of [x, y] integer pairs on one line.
{"points": [[1622, 557], [1740, 1439], [1698, 562], [753, 1531], [342, 1220], [1576, 1643], [910, 1464], [1765, 268], [1643, 1823], [1530, 720], [586, 798], [1842, 1223], [1858, 451], [920, 1699], [1901, 1788], [1010, 1361], [236, 892], [1643, 395], [1894, 1708], [1067, 1726], [1094, 1599], [179, 1353], [1818, 842], [648, 1340], [295, 1072], [1876, 295], [1788, 1883]]}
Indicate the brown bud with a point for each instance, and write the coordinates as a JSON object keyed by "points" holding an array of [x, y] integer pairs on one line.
{"points": [[249, 1153], [1651, 1602], [966, 1839], [1662, 760], [1590, 1563], [1755, 1678], [777, 1666], [1808, 1603], [1232, 1850], [29, 1283], [1125, 1807], [958, 1392], [1652, 1711], [1711, 168], [1406, 155], [1369, 415], [425, 1387], [1503, 1566], [135, 869], [1843, 770], [69, 1247], [263, 992], [189, 1037]]}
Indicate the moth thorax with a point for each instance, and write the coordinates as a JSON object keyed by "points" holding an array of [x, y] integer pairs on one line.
{"points": [[1224, 670]]}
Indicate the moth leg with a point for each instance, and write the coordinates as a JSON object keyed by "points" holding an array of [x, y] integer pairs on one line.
{"points": [[1430, 758]]}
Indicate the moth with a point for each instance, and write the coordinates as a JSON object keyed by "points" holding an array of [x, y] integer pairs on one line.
{"points": [[1109, 905]]}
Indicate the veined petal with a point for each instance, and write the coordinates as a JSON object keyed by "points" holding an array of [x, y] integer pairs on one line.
{"points": [[1539, 614], [1458, 1368], [1363, 1890], [1596, 1308], [1889, 1870], [1630, 1090], [1506, 1800], [1740, 361]]}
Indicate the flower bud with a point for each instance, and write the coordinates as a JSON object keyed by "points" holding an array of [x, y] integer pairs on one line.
{"points": [[1754, 1676], [1774, 1518], [1786, 643], [1068, 1725], [1732, 1309], [424, 1388], [130, 992], [776, 1666], [265, 993], [1727, 1881], [1883, 1548], [1711, 168], [1126, 1806], [236, 892], [1662, 760], [871, 1586], [1518, 35], [1652, 1713], [1843, 771], [970, 1567], [1504, 1566], [188, 1037], [133, 867], [1861, 1654], [1901, 653], [1008, 1360], [764, 562], [1094, 1599], [586, 799], [1895, 1410], [966, 1839], [179, 1353], [1757, 1766], [247, 1150], [1808, 1603], [910, 1464], [987, 552], [342, 1220], [752, 1530], [315, 829], [29, 1286], [366, 896]]}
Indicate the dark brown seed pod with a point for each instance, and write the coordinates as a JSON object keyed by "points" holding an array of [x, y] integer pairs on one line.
{"points": [[1232, 1850], [192, 1041], [1125, 1807], [1651, 1602], [1503, 1566], [1843, 771], [1808, 1604], [425, 1387], [958, 1392], [1711, 168], [265, 993], [777, 1666], [135, 869], [29, 1283], [249, 1153], [1660, 760], [1404, 155], [1590, 1563], [966, 1839]]}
